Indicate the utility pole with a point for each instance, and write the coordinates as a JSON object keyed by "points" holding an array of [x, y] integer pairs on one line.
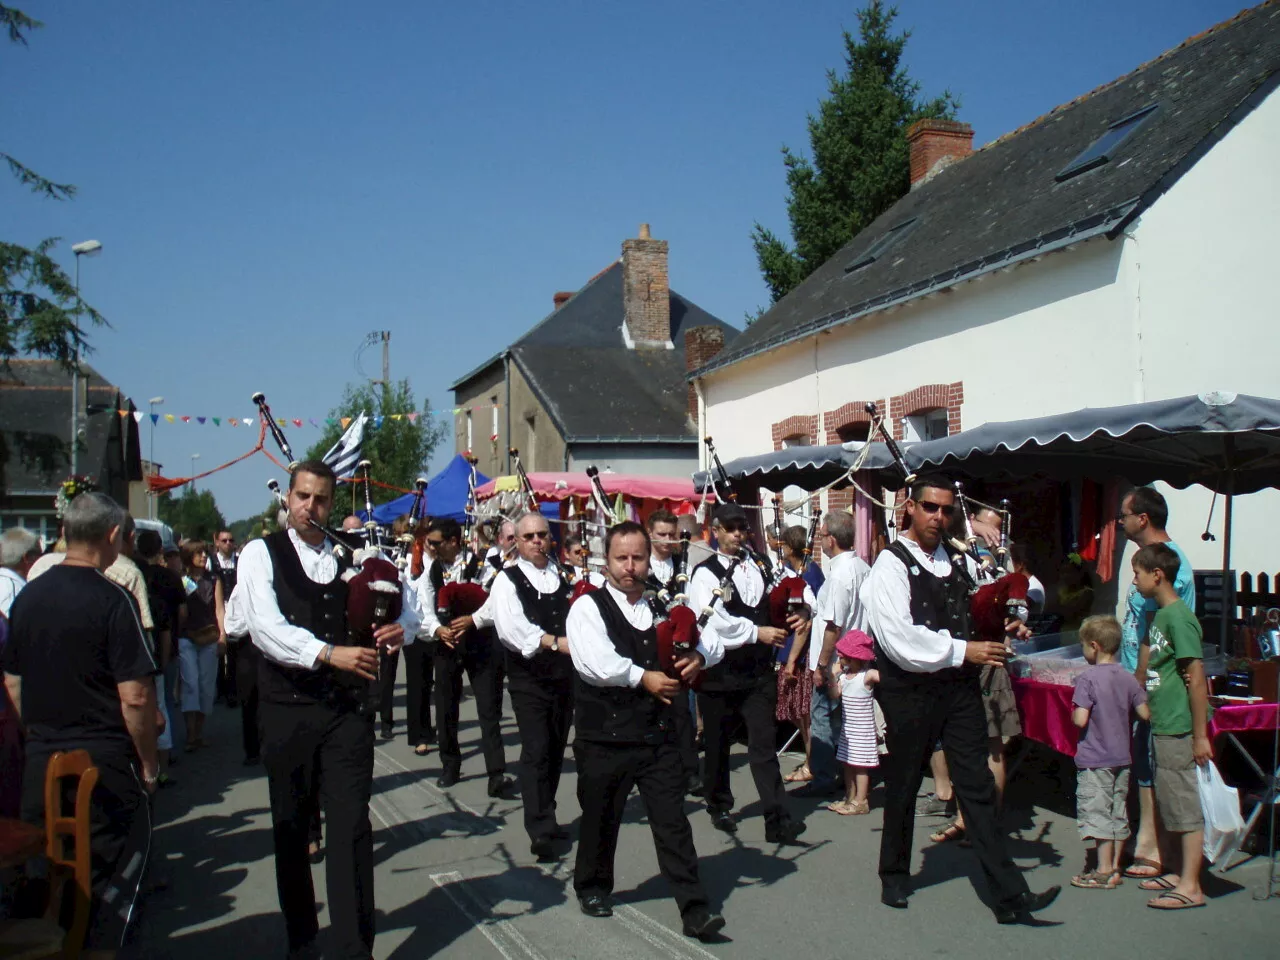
{"points": [[386, 367]]}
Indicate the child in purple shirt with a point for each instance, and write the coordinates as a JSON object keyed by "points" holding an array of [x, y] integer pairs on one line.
{"points": [[1105, 698]]}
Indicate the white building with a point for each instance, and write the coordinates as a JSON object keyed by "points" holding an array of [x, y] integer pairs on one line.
{"points": [[1116, 250]]}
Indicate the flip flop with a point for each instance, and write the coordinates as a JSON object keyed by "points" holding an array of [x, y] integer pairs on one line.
{"points": [[1159, 883], [1096, 881], [952, 831], [1172, 900], [796, 776], [1144, 869], [422, 749]]}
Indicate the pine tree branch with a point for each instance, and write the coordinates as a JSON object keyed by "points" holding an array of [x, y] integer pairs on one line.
{"points": [[15, 22], [38, 184]]}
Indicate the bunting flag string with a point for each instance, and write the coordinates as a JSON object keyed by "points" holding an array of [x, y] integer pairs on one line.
{"points": [[320, 423]]}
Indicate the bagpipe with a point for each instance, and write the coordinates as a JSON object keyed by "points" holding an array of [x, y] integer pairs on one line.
{"points": [[526, 488], [459, 599], [582, 584], [726, 493], [786, 599], [373, 582], [402, 556], [469, 511]]}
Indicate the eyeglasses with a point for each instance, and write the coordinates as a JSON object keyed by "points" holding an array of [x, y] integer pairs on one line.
{"points": [[536, 535], [1122, 517], [929, 507], [434, 543], [735, 528]]}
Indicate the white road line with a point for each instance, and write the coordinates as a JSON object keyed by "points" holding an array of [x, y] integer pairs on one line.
{"points": [[506, 939], [437, 795], [675, 944]]}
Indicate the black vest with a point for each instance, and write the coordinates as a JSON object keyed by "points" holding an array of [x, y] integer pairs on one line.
{"points": [[227, 576], [320, 609], [548, 611], [621, 714], [751, 663], [936, 603], [436, 572]]}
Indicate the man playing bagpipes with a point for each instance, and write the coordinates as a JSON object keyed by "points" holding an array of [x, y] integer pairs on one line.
{"points": [[450, 596], [315, 678], [742, 686], [529, 602], [624, 733]]}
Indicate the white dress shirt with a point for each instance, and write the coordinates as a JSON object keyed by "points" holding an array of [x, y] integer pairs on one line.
{"points": [[515, 629], [594, 655], [234, 619], [886, 594], [11, 584], [662, 570], [276, 637], [838, 601], [426, 591], [728, 631]]}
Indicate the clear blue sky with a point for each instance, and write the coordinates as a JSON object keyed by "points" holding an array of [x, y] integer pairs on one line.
{"points": [[271, 181]]}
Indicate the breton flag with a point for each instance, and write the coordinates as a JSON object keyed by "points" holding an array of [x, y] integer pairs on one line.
{"points": [[345, 454]]}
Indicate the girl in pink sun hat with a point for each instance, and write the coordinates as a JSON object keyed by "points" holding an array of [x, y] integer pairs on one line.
{"points": [[857, 750]]}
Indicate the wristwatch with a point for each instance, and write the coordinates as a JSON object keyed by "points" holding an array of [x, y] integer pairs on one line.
{"points": [[555, 644]]}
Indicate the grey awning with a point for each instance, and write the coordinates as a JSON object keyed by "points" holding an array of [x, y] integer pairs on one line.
{"points": [[805, 467]]}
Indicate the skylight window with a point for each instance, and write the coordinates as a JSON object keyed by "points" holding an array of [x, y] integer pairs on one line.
{"points": [[1106, 146], [892, 238]]}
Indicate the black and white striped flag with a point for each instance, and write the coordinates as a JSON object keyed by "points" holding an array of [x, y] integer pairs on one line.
{"points": [[344, 455]]}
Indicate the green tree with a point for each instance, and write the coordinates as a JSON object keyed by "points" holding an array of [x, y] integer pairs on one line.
{"points": [[860, 161], [397, 449], [39, 304], [193, 516]]}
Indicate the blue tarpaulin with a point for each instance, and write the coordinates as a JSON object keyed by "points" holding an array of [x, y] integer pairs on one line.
{"points": [[446, 495]]}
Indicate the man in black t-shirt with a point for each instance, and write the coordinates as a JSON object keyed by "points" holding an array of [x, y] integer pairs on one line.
{"points": [[82, 675]]}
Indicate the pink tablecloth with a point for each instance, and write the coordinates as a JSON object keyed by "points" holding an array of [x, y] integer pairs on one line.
{"points": [[1046, 715]]}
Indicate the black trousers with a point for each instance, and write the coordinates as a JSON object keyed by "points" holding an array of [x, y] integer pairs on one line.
{"points": [[756, 706], [685, 726], [388, 667], [247, 689], [916, 716], [119, 832], [478, 656], [419, 678], [544, 711], [295, 739], [606, 774]]}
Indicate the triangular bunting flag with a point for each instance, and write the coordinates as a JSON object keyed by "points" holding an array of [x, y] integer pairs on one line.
{"points": [[170, 417], [345, 421], [396, 416], [296, 422], [280, 421], [155, 418], [329, 421], [122, 413], [313, 422], [137, 416], [413, 417], [186, 419], [233, 421], [377, 422], [201, 420], [217, 421], [247, 421]]}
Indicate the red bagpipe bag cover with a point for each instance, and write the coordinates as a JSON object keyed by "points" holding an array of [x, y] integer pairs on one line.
{"points": [[989, 607]]}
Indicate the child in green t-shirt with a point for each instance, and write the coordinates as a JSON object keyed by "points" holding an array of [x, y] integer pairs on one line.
{"points": [[1170, 659]]}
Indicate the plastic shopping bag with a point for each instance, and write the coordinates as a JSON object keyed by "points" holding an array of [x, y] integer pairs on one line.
{"points": [[1224, 828]]}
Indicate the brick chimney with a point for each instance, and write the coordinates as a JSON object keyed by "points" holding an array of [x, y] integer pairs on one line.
{"points": [[645, 292], [934, 144], [701, 344], [562, 297]]}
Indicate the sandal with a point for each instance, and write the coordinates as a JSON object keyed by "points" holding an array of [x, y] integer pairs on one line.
{"points": [[1096, 881], [847, 808], [952, 831], [422, 749], [1143, 868], [1172, 900], [1167, 882], [801, 774]]}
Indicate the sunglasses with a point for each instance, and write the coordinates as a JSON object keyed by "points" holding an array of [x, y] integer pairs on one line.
{"points": [[536, 535], [434, 543], [929, 507], [734, 528]]}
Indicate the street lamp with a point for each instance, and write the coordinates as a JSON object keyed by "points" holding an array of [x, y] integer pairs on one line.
{"points": [[151, 494], [194, 458], [88, 248]]}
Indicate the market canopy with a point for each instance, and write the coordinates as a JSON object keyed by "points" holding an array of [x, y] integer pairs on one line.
{"points": [[446, 495], [1227, 442], [561, 486]]}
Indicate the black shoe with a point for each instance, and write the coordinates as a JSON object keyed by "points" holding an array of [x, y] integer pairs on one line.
{"points": [[543, 850], [559, 833], [317, 857], [448, 778], [388, 731], [251, 761], [815, 790], [693, 786], [310, 952], [499, 785], [894, 895], [723, 820], [702, 923], [1026, 904], [788, 831], [596, 905]]}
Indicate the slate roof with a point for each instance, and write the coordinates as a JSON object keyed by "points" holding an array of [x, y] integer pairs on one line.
{"points": [[1002, 204], [35, 424], [592, 385]]}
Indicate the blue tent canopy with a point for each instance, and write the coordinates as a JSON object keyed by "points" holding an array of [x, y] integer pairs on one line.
{"points": [[446, 495]]}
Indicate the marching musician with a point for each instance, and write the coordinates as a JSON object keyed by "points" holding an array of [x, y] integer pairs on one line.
{"points": [[742, 685], [624, 735], [575, 560], [529, 603], [664, 540], [388, 660], [311, 688], [462, 645], [502, 553], [917, 599]]}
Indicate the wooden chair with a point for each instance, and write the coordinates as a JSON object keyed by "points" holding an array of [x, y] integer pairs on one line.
{"points": [[46, 939]]}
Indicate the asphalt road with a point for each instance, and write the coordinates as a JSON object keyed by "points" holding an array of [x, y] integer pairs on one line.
{"points": [[455, 878]]}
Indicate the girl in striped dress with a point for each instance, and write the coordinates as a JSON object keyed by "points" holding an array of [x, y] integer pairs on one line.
{"points": [[857, 750]]}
